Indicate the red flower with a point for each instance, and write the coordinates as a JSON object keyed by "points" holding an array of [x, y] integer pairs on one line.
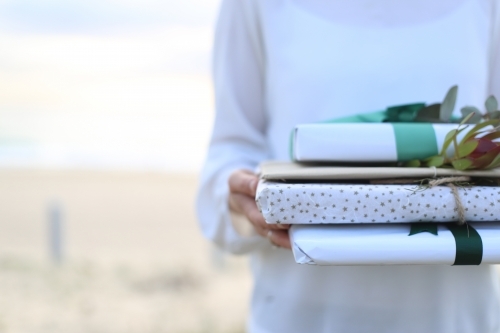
{"points": [[484, 154]]}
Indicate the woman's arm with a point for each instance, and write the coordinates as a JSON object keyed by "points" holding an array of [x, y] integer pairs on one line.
{"points": [[239, 134]]}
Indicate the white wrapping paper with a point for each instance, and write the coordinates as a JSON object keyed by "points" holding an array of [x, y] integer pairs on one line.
{"points": [[313, 203], [385, 244], [354, 142]]}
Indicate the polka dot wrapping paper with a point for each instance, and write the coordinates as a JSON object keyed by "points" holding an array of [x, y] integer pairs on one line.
{"points": [[330, 203]]}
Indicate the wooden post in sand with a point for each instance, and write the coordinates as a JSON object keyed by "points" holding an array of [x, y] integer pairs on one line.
{"points": [[55, 233]]}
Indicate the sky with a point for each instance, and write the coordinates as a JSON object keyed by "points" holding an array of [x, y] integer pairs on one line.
{"points": [[105, 84], [98, 16]]}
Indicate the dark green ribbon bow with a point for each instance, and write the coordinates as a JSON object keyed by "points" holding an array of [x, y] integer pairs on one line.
{"points": [[393, 114], [403, 113]]}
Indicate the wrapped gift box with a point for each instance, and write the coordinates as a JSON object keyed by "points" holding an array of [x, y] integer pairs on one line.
{"points": [[305, 193], [392, 244], [313, 203], [293, 172], [363, 142]]}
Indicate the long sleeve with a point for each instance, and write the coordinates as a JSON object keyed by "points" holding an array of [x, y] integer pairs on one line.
{"points": [[494, 85], [238, 138]]}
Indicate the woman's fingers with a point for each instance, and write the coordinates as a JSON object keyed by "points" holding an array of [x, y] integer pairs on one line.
{"points": [[280, 238], [243, 182], [242, 186], [246, 205]]}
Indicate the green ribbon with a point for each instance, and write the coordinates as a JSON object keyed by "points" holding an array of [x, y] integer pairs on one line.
{"points": [[415, 141], [403, 113], [393, 114], [417, 228], [469, 246]]}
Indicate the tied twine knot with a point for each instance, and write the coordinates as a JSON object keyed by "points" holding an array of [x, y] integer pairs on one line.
{"points": [[450, 182]]}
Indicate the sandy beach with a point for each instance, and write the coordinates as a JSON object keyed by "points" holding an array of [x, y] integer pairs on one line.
{"points": [[133, 258]]}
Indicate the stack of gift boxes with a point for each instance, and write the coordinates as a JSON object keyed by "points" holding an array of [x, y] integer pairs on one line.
{"points": [[379, 215]]}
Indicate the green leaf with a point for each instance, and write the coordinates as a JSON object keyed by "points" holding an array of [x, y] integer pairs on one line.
{"points": [[494, 115], [435, 161], [466, 119], [429, 114], [448, 104], [492, 136], [473, 113], [491, 104], [448, 140], [470, 134], [462, 164], [413, 164], [466, 110], [495, 163], [467, 147]]}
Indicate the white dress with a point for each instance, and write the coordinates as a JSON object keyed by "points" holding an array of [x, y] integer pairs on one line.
{"points": [[278, 63]]}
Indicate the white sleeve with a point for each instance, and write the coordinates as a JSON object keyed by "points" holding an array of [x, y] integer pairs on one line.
{"points": [[239, 133], [494, 85]]}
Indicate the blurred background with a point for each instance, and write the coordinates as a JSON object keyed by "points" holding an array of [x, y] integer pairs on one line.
{"points": [[105, 114]]}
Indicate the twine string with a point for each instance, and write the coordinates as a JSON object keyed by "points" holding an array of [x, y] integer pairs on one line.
{"points": [[450, 182]]}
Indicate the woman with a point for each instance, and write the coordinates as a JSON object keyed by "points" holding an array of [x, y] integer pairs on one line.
{"points": [[279, 63]]}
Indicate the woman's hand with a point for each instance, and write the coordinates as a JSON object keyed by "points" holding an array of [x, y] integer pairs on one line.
{"points": [[242, 186]]}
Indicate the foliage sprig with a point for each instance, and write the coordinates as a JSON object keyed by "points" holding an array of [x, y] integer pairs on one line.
{"points": [[477, 148]]}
